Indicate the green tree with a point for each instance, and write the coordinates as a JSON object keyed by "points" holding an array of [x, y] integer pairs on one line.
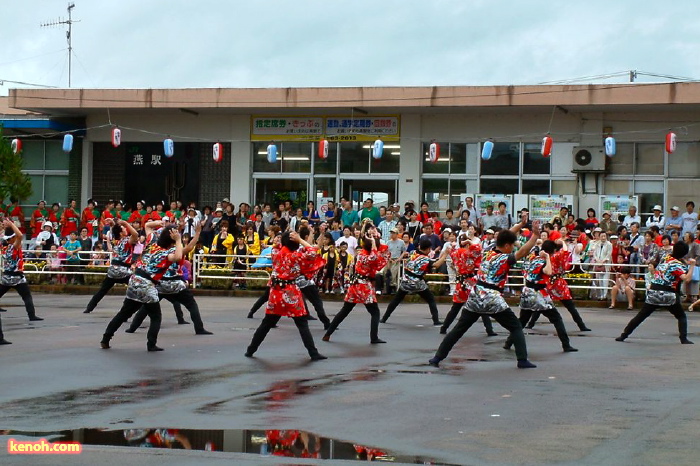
{"points": [[13, 183]]}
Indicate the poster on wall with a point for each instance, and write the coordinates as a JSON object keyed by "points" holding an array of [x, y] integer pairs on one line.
{"points": [[483, 200], [616, 205], [544, 208]]}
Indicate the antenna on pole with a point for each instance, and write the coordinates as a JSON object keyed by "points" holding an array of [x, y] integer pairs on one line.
{"points": [[69, 35]]}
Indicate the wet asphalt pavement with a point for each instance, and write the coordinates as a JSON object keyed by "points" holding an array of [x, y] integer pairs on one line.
{"points": [[631, 403]]}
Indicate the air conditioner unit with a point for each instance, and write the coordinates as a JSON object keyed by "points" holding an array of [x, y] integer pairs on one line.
{"points": [[588, 159]]}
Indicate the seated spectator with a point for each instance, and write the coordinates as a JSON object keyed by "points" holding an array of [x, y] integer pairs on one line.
{"points": [[624, 286]]}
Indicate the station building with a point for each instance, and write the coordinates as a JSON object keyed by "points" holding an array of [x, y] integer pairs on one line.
{"points": [[407, 119]]}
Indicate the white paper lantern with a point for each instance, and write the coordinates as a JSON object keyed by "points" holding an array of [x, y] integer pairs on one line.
{"points": [[218, 152], [434, 152], [116, 137], [378, 149], [610, 146], [547, 143]]}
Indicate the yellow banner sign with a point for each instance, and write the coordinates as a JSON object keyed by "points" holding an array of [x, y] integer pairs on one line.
{"points": [[269, 128]]}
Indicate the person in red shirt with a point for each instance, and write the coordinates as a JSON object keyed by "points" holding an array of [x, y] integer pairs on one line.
{"points": [[424, 214], [89, 218], [70, 219], [107, 213], [15, 214], [39, 216]]}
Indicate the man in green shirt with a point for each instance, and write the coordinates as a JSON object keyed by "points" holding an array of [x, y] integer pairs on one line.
{"points": [[371, 212], [349, 216]]}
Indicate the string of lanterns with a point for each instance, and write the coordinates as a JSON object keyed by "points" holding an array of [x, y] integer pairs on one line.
{"points": [[377, 147]]}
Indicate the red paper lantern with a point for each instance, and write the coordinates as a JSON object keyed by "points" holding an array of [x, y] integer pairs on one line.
{"points": [[323, 149], [670, 142], [218, 152], [546, 146], [16, 146], [434, 152], [116, 137]]}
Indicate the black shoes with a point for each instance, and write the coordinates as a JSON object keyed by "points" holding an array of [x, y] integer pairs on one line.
{"points": [[685, 341], [4, 342], [155, 348], [86, 311], [104, 344], [182, 322], [569, 349], [584, 329], [622, 337], [443, 331], [318, 357], [434, 361], [250, 314], [130, 330], [203, 332], [377, 341], [492, 334], [326, 337], [525, 364], [35, 318]]}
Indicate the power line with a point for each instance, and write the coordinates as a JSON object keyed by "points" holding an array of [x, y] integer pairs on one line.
{"points": [[3, 81]]}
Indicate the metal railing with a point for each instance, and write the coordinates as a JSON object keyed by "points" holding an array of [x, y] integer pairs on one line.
{"points": [[230, 267]]}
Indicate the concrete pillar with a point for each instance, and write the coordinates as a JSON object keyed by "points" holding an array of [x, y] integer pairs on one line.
{"points": [[410, 167], [86, 175], [241, 160]]}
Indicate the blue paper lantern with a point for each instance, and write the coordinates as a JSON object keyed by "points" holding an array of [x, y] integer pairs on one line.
{"points": [[610, 146], [272, 153], [487, 150], [378, 149], [67, 143], [168, 147]]}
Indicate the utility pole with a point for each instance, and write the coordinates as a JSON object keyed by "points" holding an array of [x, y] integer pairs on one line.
{"points": [[633, 75], [69, 36]]}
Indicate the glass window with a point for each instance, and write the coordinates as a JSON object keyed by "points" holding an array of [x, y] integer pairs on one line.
{"points": [[56, 188], [535, 187], [56, 159], [621, 162], [260, 163], [296, 157], [458, 159], [650, 159], [459, 190], [325, 188], [330, 165], [443, 163], [534, 163], [37, 191], [473, 157], [389, 163], [276, 191], [436, 193], [499, 186], [685, 161], [33, 155], [354, 157], [504, 161]]}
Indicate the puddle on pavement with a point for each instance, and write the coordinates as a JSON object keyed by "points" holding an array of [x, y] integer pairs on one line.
{"points": [[284, 443]]}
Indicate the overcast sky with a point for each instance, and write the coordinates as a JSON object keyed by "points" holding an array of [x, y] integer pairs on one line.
{"points": [[280, 43]]}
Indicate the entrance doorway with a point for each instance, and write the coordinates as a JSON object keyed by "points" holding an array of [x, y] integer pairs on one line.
{"points": [[276, 191], [382, 191]]}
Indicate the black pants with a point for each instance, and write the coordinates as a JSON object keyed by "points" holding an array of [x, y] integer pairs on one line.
{"points": [[25, 294], [427, 296], [570, 306], [553, 316], [107, 284], [373, 310], [186, 298], [259, 303], [648, 309], [270, 320], [2, 335], [507, 320], [128, 309], [311, 293], [454, 311]]}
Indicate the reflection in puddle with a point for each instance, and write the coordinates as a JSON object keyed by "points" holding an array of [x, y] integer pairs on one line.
{"points": [[286, 443]]}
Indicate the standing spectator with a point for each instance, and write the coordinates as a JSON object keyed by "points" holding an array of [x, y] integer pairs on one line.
{"points": [[190, 222], [369, 211], [349, 239], [691, 287], [72, 248], [424, 214], [450, 221], [563, 216], [295, 221], [435, 241], [414, 226], [503, 219], [673, 222], [279, 221], [631, 217], [312, 214], [608, 225], [207, 233], [85, 247], [406, 238], [591, 220], [601, 260], [332, 212], [349, 217], [335, 231], [689, 219], [392, 271], [474, 213], [636, 242], [488, 220], [665, 249], [267, 214], [47, 238], [386, 225], [38, 218], [656, 219], [15, 214], [648, 250]]}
